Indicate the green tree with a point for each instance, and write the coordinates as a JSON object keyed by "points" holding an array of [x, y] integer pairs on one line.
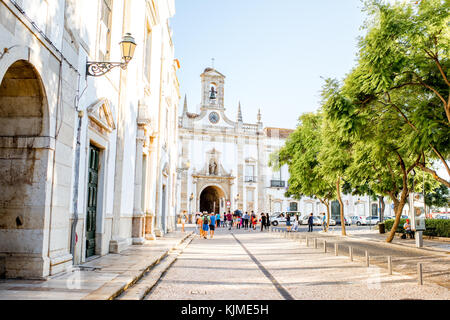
{"points": [[438, 198], [336, 149], [370, 139], [404, 64], [300, 153], [394, 106]]}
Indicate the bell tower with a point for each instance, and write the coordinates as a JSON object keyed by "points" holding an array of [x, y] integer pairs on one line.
{"points": [[212, 89]]}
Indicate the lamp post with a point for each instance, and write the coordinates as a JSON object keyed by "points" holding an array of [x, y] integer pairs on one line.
{"points": [[100, 68], [270, 203]]}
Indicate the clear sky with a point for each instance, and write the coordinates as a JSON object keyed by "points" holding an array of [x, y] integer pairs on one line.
{"points": [[274, 53]]}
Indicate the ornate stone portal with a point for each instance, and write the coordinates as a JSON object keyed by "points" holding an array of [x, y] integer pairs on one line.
{"points": [[213, 184]]}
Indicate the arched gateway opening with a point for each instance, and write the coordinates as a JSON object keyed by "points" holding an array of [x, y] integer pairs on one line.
{"points": [[211, 199], [24, 158]]}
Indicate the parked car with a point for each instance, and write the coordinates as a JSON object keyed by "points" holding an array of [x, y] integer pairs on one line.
{"points": [[316, 222], [370, 221], [356, 220], [441, 216], [277, 218], [347, 221], [280, 218]]}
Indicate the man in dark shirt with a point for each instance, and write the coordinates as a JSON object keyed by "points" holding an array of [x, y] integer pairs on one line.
{"points": [[310, 223]]}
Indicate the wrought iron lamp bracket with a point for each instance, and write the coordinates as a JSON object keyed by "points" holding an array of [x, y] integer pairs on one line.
{"points": [[98, 69]]}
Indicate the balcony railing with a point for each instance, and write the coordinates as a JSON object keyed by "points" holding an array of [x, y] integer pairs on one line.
{"points": [[277, 183], [250, 179]]}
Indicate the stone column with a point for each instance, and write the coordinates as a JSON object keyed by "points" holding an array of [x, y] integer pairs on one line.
{"points": [[138, 214]]}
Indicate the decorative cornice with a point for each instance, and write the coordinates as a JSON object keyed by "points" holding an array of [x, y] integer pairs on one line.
{"points": [[201, 176]]}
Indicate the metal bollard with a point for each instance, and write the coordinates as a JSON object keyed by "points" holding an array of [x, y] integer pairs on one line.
{"points": [[389, 259], [325, 246], [419, 273], [315, 243], [336, 249], [367, 259], [307, 241], [350, 253]]}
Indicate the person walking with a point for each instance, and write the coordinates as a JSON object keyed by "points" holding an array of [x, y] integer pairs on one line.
{"points": [[254, 220], [212, 225], [310, 223], [205, 225], [263, 221], [295, 224], [197, 228], [200, 225], [246, 217], [288, 222], [218, 220], [229, 220], [324, 222], [183, 220], [267, 221]]}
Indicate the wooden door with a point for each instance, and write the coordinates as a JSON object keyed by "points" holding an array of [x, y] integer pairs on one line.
{"points": [[91, 213]]}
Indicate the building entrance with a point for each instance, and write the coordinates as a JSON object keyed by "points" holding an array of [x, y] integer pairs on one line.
{"points": [[24, 181], [211, 199]]}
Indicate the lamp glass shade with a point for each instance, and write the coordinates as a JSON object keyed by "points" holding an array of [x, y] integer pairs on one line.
{"points": [[127, 47]]}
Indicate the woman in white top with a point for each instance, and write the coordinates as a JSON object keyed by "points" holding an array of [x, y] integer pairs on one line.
{"points": [[295, 224]]}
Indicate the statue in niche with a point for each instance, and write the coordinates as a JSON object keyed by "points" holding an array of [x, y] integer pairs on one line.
{"points": [[213, 167]]}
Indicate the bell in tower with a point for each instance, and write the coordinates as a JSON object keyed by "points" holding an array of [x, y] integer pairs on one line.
{"points": [[213, 93], [212, 89]]}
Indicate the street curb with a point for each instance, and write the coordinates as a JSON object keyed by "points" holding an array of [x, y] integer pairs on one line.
{"points": [[387, 245], [400, 245], [353, 237], [143, 291], [104, 292]]}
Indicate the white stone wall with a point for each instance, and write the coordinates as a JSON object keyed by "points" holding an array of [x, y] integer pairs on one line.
{"points": [[67, 35]]}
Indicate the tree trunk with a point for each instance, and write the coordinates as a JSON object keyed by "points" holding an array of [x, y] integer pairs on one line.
{"points": [[382, 207], [398, 208], [341, 205], [403, 197]]}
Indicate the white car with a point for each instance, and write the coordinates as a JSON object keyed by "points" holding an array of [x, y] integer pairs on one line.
{"points": [[370, 221], [280, 218], [356, 220], [316, 222]]}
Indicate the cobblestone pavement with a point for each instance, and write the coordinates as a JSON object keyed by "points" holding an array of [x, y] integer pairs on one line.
{"points": [[99, 278], [252, 265]]}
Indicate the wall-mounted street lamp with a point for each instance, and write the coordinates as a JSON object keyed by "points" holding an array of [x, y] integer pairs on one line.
{"points": [[127, 47], [236, 199]]}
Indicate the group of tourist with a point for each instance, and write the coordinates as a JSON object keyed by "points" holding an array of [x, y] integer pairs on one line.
{"points": [[208, 222]]}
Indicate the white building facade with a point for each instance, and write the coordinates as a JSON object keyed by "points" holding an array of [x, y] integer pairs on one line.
{"points": [[87, 163], [225, 163]]}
